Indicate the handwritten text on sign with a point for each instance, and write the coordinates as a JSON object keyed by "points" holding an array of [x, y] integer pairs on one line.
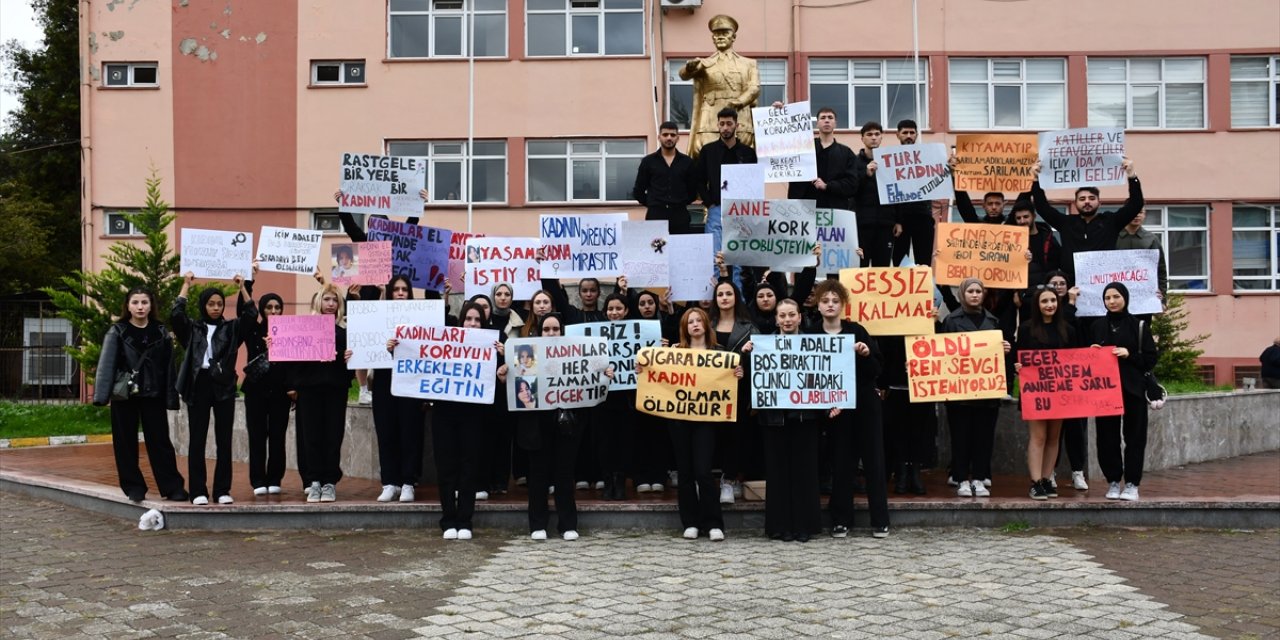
{"points": [[557, 373], [370, 323], [838, 235], [219, 255], [388, 185], [445, 363], [956, 366], [626, 339], [581, 246], [421, 253], [993, 253], [784, 142], [692, 258], [644, 253], [1134, 268], [802, 372], [285, 250], [890, 301], [911, 173], [302, 339], [360, 263], [1069, 383], [770, 233], [493, 261], [1081, 157], [995, 162], [696, 385]]}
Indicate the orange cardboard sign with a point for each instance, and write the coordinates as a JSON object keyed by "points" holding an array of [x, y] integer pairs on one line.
{"points": [[997, 162], [996, 254]]}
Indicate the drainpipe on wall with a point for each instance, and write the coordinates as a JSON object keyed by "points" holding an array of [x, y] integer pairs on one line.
{"points": [[791, 54], [86, 155]]}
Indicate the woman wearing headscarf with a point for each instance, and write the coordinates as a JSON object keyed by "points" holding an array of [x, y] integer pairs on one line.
{"points": [[266, 406], [1132, 344]]}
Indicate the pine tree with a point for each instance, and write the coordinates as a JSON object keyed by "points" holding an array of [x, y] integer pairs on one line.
{"points": [[1178, 355]]}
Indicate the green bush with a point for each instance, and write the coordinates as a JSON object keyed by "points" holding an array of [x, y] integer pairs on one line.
{"points": [[1178, 354]]}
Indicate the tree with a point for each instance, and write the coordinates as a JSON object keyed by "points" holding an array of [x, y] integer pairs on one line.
{"points": [[1178, 355], [39, 153]]}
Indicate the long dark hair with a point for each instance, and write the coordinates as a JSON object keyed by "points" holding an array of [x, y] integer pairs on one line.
{"points": [[739, 308], [469, 305], [657, 304], [399, 277], [1038, 324], [154, 316], [538, 323]]}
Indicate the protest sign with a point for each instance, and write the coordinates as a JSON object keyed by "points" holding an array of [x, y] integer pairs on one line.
{"points": [[1056, 384], [784, 142], [626, 339], [697, 385], [302, 339], [995, 162], [217, 255], [890, 301], [370, 323], [1136, 269], [804, 371], [996, 254], [956, 366], [692, 262], [494, 261], [360, 263], [911, 173], [388, 185], [285, 250], [445, 363], [1073, 158], [838, 235], [770, 233], [580, 246], [458, 258], [644, 253], [421, 253], [741, 182], [556, 373]]}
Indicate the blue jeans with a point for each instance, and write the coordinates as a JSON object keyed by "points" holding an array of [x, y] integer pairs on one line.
{"points": [[715, 227]]}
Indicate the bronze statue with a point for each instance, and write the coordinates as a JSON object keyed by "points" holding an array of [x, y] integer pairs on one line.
{"points": [[723, 79]]}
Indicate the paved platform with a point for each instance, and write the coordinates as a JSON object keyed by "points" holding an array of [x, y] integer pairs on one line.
{"points": [[1239, 492]]}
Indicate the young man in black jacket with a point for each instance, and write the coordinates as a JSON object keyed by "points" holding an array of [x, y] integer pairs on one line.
{"points": [[664, 182], [1090, 230], [875, 222], [837, 179], [913, 224]]}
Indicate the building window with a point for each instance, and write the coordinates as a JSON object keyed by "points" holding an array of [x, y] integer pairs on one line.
{"points": [[773, 87], [448, 177], [583, 170], [1008, 93], [327, 221], [584, 27], [441, 29], [118, 224], [1184, 234], [1147, 93], [337, 72], [1255, 247], [864, 90], [130, 74], [1255, 92]]}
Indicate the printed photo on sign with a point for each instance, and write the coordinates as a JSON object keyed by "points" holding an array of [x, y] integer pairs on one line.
{"points": [[697, 385], [803, 372], [995, 162], [1056, 384], [1136, 269], [370, 323], [581, 246], [445, 363], [216, 255], [912, 173], [559, 373], [770, 233], [301, 339], [996, 254], [458, 258], [626, 339], [493, 261], [364, 263], [956, 366], [644, 253], [284, 250], [784, 142], [418, 252], [386, 185], [1074, 158], [890, 301], [692, 259]]}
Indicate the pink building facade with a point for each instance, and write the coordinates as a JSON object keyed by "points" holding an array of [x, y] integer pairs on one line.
{"points": [[243, 108]]}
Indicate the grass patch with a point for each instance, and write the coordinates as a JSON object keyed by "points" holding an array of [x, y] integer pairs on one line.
{"points": [[36, 420], [1017, 526], [1183, 388]]}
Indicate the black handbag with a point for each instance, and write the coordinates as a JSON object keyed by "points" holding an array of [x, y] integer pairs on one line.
{"points": [[1151, 387], [124, 386], [256, 369]]}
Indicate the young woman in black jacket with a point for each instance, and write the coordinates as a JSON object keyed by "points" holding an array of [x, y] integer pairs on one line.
{"points": [[207, 382], [738, 445], [319, 391], [1132, 343], [138, 343], [397, 422], [1046, 329], [652, 458], [266, 406]]}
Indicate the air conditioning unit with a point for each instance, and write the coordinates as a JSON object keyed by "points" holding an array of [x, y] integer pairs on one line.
{"points": [[681, 4], [44, 362]]}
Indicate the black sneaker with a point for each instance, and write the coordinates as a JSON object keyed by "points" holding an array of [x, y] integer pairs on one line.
{"points": [[1037, 490], [839, 531], [1050, 487], [880, 532]]}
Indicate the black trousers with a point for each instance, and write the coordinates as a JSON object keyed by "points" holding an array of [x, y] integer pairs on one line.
{"points": [[876, 241], [1133, 424], [917, 235], [266, 417], [915, 427], [125, 416], [1075, 440], [652, 449], [612, 431], [457, 433], [792, 503], [202, 402], [677, 217], [858, 435], [552, 462], [322, 415], [495, 448], [698, 496], [398, 424], [973, 435]]}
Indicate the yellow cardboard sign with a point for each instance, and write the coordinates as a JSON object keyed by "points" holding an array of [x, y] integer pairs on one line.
{"points": [[697, 385], [956, 366], [890, 301], [997, 162], [996, 254]]}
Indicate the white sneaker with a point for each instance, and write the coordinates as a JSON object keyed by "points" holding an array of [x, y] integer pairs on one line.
{"points": [[1113, 491], [965, 491], [482, 495], [365, 396], [540, 534], [450, 534], [644, 488], [726, 493], [259, 491], [551, 490], [228, 500], [980, 490], [328, 493], [599, 485], [464, 534], [691, 533], [737, 489], [582, 485], [313, 492], [657, 486], [200, 501], [522, 481], [1077, 481], [389, 493], [1130, 492], [716, 535], [951, 482], [673, 479], [570, 535], [273, 490], [406, 493], [986, 482]]}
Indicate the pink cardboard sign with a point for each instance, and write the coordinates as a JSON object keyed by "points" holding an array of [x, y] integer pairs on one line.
{"points": [[301, 339], [360, 263]]}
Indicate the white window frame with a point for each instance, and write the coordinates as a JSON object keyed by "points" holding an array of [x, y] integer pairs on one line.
{"points": [[130, 81], [1273, 88], [1273, 277], [106, 224], [1022, 83], [439, 152], [1164, 231], [343, 66], [466, 13], [883, 83], [673, 80], [570, 156], [1162, 111], [599, 10], [316, 214]]}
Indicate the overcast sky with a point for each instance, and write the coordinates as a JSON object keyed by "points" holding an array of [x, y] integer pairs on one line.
{"points": [[17, 22]]}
